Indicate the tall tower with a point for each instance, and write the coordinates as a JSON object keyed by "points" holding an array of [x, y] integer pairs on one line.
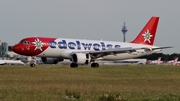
{"points": [[124, 30]]}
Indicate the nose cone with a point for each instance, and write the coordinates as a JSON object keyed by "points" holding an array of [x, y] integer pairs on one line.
{"points": [[19, 49], [16, 49]]}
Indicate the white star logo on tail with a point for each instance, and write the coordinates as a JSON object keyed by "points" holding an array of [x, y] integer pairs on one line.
{"points": [[147, 36], [38, 44]]}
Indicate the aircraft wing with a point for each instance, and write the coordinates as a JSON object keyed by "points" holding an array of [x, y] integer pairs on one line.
{"points": [[162, 47], [97, 54], [151, 49]]}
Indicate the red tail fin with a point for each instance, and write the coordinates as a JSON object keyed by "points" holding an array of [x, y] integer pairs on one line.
{"points": [[159, 59], [176, 59], [148, 33]]}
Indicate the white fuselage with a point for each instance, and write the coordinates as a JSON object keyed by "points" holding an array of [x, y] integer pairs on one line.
{"points": [[63, 48]]}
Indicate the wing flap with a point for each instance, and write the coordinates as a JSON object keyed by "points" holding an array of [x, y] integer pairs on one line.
{"points": [[97, 54], [151, 49]]}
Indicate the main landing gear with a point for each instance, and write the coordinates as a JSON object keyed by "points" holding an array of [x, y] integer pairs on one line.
{"points": [[94, 65], [75, 65]]}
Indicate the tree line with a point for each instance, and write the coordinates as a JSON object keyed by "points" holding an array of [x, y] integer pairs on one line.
{"points": [[164, 57]]}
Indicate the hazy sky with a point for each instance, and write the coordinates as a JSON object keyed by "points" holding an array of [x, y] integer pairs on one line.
{"points": [[89, 19]]}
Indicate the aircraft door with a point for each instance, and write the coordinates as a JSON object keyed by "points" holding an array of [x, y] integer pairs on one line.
{"points": [[28, 47]]}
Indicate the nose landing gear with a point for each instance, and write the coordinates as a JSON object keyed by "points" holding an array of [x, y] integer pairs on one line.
{"points": [[33, 62]]}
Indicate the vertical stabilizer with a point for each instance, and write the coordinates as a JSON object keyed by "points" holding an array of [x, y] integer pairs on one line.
{"points": [[159, 59], [176, 59], [148, 33]]}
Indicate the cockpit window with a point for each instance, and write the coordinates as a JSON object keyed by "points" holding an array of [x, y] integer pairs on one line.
{"points": [[24, 42]]}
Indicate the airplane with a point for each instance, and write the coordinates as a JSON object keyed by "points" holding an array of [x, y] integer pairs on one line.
{"points": [[83, 52], [11, 62], [175, 61], [132, 61], [158, 61], [2, 62]]}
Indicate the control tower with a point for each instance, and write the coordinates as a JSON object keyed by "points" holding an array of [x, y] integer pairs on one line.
{"points": [[124, 30]]}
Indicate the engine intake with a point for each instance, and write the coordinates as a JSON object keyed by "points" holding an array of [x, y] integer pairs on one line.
{"points": [[81, 58]]}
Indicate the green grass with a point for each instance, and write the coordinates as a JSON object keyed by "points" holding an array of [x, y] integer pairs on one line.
{"points": [[106, 83]]}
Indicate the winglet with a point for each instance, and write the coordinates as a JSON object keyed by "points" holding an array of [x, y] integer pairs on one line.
{"points": [[148, 33]]}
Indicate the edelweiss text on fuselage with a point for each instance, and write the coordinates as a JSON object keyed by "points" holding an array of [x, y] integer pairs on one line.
{"points": [[78, 45]]}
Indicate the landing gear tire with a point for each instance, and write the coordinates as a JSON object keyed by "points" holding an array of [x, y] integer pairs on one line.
{"points": [[73, 65], [32, 65], [94, 65]]}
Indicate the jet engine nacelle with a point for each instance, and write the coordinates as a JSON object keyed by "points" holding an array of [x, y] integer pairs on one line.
{"points": [[81, 58], [46, 60]]}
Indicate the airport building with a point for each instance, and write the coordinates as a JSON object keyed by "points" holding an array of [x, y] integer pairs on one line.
{"points": [[4, 49]]}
